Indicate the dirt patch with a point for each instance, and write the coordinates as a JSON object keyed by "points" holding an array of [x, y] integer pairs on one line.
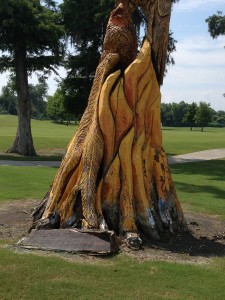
{"points": [[205, 239], [15, 219]]}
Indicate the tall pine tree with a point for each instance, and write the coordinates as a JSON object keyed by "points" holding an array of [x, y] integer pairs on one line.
{"points": [[30, 38]]}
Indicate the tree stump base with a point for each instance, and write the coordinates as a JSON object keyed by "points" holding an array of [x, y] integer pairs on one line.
{"points": [[115, 174]]}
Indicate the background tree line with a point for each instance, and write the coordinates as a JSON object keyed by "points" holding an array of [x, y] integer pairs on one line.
{"points": [[55, 108], [191, 115], [39, 36]]}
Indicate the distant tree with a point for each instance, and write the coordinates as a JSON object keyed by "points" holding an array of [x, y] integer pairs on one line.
{"points": [[216, 24], [38, 94], [166, 114], [189, 117], [30, 33], [219, 118], [172, 114], [55, 108], [203, 115], [8, 99], [178, 112]]}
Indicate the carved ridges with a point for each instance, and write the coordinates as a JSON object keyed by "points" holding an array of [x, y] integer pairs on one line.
{"points": [[141, 161], [115, 172], [75, 148]]}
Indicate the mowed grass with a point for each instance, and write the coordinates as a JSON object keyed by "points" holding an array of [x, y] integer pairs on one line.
{"points": [[52, 138], [183, 140], [46, 135], [201, 186], [28, 276], [25, 182]]}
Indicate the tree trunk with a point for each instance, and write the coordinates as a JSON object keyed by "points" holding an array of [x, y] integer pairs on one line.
{"points": [[23, 143], [115, 173]]}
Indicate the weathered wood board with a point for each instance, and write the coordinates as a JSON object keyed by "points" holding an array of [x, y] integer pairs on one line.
{"points": [[71, 240]]}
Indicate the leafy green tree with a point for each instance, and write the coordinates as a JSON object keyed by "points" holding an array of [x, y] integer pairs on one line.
{"points": [[8, 99], [178, 112], [216, 24], [189, 117], [203, 115], [30, 34], [166, 114], [38, 95], [55, 108], [85, 23], [219, 118], [172, 114]]}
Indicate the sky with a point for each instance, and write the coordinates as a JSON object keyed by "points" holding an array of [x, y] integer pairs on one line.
{"points": [[199, 70]]}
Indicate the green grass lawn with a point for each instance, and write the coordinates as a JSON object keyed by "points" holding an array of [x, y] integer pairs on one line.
{"points": [[25, 182], [201, 186], [183, 140], [28, 276], [47, 136], [31, 276], [50, 138]]}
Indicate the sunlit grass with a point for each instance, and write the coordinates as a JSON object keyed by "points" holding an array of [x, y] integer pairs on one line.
{"points": [[25, 182], [47, 136], [183, 140], [28, 276], [51, 138], [200, 185]]}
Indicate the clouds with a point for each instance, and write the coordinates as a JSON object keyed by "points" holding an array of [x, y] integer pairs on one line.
{"points": [[201, 50], [190, 5], [199, 73]]}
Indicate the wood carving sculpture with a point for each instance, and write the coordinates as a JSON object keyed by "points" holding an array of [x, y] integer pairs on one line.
{"points": [[115, 173]]}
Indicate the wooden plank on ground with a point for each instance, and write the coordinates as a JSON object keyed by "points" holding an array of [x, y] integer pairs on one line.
{"points": [[71, 240]]}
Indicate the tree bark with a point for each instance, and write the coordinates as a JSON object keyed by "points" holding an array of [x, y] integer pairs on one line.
{"points": [[115, 174], [119, 178], [23, 143]]}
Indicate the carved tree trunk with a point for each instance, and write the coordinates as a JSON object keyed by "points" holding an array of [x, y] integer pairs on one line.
{"points": [[115, 174]]}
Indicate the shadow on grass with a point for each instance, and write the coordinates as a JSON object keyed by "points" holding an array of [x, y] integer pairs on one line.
{"points": [[199, 189], [204, 182], [213, 169]]}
